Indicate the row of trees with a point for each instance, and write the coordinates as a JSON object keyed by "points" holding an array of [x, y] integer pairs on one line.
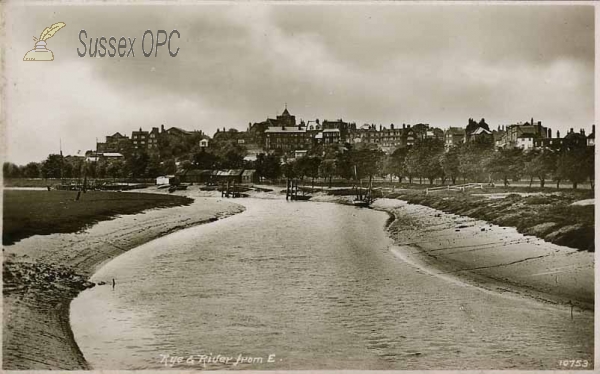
{"points": [[478, 162], [427, 160]]}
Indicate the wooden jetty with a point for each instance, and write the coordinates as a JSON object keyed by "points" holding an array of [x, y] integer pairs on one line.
{"points": [[291, 191]]}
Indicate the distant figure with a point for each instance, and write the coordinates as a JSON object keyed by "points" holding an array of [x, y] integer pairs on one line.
{"points": [[571, 304], [48, 188], [113, 283]]}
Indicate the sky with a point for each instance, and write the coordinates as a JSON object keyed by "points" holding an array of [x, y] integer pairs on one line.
{"points": [[237, 63]]}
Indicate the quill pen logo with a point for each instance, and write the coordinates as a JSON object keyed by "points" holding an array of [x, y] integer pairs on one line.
{"points": [[40, 52]]}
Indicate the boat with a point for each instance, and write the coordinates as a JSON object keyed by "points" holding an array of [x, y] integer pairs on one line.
{"points": [[301, 197], [361, 203]]}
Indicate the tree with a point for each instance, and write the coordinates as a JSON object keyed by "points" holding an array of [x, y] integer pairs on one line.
{"points": [[450, 164], [368, 162], [289, 169], [309, 166], [268, 166], [395, 165], [32, 170], [206, 160], [154, 167], [541, 165], [504, 164], [430, 152], [571, 166], [116, 169], [471, 160], [412, 163], [137, 164], [169, 166], [345, 164], [327, 169], [423, 160], [11, 170], [52, 166]]}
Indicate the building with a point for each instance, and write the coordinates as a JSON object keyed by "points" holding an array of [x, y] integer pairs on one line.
{"points": [[232, 175], [114, 143], [453, 137], [525, 141], [392, 138], [139, 139], [344, 128], [516, 131], [330, 136], [591, 139], [249, 176], [480, 134], [287, 139], [196, 176]]}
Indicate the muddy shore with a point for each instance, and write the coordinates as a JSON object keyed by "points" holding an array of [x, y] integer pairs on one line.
{"points": [[42, 274], [491, 256]]}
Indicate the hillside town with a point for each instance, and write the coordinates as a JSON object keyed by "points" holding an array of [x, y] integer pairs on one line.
{"points": [[286, 146]]}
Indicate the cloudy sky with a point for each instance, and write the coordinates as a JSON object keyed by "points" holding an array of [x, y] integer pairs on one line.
{"points": [[240, 63]]}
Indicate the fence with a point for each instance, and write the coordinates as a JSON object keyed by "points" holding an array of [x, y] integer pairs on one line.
{"points": [[457, 187]]}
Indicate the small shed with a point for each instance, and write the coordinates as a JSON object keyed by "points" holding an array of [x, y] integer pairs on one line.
{"points": [[197, 176], [166, 179], [234, 175], [249, 176]]}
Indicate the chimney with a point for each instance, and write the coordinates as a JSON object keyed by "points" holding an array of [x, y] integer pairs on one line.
{"points": [[162, 128], [392, 126], [571, 130], [558, 134], [549, 133], [593, 129], [540, 123], [408, 126], [403, 126], [532, 121], [380, 127]]}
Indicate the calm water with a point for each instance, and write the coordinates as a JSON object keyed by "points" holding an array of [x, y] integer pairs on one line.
{"points": [[307, 286]]}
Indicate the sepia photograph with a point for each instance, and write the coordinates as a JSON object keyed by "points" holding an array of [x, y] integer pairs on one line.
{"points": [[298, 185]]}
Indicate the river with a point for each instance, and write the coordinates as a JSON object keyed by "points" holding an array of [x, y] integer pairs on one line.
{"points": [[305, 285]]}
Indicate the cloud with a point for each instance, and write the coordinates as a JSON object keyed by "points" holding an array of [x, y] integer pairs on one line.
{"points": [[239, 63]]}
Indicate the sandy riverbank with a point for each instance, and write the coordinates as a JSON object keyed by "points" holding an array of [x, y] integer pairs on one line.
{"points": [[42, 274], [490, 256]]}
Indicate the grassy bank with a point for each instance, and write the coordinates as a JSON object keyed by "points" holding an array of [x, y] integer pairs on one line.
{"points": [[28, 213], [547, 216]]}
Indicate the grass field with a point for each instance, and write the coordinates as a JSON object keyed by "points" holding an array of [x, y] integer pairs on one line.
{"points": [[28, 213]]}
